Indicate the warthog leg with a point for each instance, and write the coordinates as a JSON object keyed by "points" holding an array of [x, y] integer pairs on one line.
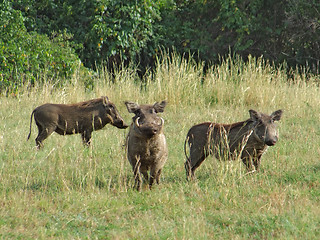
{"points": [[145, 174], [137, 175], [43, 134], [158, 176], [86, 138], [193, 164], [252, 161], [187, 166], [198, 154], [256, 162], [154, 175]]}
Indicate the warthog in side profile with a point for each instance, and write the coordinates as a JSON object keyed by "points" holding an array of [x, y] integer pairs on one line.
{"points": [[246, 140], [146, 144], [83, 117]]}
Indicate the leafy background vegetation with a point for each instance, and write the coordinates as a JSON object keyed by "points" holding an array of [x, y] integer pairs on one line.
{"points": [[212, 61], [57, 35]]}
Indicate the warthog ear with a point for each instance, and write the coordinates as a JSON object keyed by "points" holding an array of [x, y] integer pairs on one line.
{"points": [[159, 107], [276, 116], [105, 100], [254, 115], [132, 107]]}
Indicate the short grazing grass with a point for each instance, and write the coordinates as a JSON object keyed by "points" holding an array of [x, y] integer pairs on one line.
{"points": [[66, 191]]}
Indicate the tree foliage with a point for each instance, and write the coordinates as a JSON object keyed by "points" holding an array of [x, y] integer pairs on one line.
{"points": [[26, 56], [103, 30], [44, 34], [278, 30]]}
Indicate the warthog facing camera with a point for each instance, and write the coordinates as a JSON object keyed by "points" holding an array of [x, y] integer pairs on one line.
{"points": [[246, 140], [83, 117], [146, 144]]}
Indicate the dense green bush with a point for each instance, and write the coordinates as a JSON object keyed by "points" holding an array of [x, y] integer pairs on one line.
{"points": [[104, 30], [121, 29], [29, 56], [110, 30], [278, 30], [42, 35], [302, 45]]}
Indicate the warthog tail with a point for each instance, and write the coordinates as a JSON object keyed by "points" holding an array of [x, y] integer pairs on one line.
{"points": [[185, 149], [187, 164], [30, 125]]}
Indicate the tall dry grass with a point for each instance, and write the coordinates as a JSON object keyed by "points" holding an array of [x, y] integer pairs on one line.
{"points": [[68, 191]]}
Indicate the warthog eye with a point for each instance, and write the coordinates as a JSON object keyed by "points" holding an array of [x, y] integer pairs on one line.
{"points": [[152, 110], [137, 112]]}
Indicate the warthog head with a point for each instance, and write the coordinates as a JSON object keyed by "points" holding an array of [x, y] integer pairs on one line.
{"points": [[146, 122], [266, 128], [113, 114]]}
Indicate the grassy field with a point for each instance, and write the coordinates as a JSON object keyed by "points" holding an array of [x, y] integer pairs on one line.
{"points": [[67, 191]]}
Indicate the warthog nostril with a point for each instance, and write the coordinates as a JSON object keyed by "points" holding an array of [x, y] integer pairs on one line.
{"points": [[271, 142]]}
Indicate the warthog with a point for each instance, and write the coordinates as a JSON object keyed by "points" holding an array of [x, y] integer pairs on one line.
{"points": [[246, 140], [146, 144], [83, 117]]}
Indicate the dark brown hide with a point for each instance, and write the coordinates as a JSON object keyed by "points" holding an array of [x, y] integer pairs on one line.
{"points": [[83, 117], [246, 140], [146, 144]]}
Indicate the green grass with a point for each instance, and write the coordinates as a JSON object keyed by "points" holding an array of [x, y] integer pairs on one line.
{"points": [[66, 191]]}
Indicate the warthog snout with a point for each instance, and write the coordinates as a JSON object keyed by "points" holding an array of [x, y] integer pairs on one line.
{"points": [[120, 124], [149, 128], [272, 142], [146, 144]]}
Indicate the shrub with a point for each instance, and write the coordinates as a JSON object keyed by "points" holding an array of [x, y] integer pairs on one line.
{"points": [[29, 56]]}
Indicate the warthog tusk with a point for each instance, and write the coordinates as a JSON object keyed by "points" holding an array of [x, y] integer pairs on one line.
{"points": [[137, 122], [162, 121]]}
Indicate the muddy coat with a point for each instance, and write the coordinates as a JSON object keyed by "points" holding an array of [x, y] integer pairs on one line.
{"points": [[247, 140], [83, 118], [146, 143]]}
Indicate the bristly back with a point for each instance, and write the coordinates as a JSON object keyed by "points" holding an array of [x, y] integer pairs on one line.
{"points": [[226, 126], [89, 103], [237, 124]]}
